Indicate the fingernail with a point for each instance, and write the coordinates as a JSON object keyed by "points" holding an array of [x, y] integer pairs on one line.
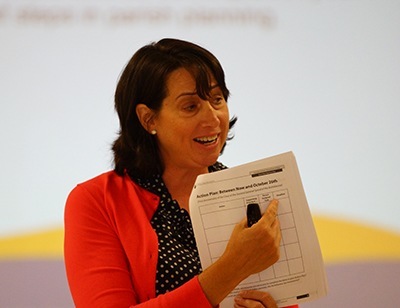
{"points": [[274, 202]]}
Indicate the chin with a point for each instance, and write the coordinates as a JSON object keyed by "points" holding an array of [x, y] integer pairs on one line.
{"points": [[211, 160]]}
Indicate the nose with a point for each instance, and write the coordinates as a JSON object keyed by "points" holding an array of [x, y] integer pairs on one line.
{"points": [[209, 115]]}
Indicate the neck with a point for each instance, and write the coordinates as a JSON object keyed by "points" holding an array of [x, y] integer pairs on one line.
{"points": [[180, 184]]}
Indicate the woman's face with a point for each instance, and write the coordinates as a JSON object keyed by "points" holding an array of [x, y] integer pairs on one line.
{"points": [[191, 131]]}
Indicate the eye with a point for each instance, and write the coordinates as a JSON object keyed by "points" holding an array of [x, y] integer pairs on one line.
{"points": [[216, 97], [218, 100], [190, 107]]}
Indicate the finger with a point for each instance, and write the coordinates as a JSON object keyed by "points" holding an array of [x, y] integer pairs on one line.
{"points": [[247, 303], [242, 224], [271, 212], [263, 297], [276, 223]]}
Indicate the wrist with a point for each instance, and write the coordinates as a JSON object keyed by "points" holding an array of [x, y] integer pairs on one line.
{"points": [[219, 279]]}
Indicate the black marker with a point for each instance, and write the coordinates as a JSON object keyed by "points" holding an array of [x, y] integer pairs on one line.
{"points": [[253, 214]]}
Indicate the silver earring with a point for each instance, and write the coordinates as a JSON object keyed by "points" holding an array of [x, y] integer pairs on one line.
{"points": [[153, 132]]}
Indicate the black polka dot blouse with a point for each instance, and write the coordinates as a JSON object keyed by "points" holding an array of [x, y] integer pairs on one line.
{"points": [[178, 258]]}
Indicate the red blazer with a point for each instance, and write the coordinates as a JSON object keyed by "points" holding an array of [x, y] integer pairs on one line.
{"points": [[111, 249]]}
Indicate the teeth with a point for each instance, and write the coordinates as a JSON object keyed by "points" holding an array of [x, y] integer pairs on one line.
{"points": [[207, 139]]}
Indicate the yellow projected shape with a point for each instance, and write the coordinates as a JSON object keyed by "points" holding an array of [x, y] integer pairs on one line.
{"points": [[341, 241], [345, 241], [43, 245]]}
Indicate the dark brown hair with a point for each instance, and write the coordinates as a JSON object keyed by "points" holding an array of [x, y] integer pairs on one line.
{"points": [[143, 81]]}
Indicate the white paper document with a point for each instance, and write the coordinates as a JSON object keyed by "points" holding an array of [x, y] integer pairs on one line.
{"points": [[218, 202]]}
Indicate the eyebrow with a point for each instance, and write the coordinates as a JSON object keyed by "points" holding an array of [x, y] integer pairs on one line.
{"points": [[186, 94], [195, 92]]}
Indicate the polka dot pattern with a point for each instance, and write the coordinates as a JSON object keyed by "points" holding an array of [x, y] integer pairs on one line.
{"points": [[178, 258]]}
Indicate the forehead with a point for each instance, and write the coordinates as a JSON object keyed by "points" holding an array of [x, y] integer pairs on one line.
{"points": [[184, 80], [181, 78]]}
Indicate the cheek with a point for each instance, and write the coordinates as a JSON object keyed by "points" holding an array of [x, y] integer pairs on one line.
{"points": [[225, 120], [177, 132], [224, 125]]}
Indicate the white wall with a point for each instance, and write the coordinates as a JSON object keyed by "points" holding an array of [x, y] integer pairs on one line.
{"points": [[316, 77]]}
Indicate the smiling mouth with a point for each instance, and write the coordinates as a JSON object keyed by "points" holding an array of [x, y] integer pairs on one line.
{"points": [[207, 140]]}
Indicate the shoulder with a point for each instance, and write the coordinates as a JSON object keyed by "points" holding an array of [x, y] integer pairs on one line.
{"points": [[93, 190], [109, 191], [106, 182], [102, 179]]}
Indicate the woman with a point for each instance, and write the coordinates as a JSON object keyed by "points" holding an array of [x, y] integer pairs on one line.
{"points": [[128, 235]]}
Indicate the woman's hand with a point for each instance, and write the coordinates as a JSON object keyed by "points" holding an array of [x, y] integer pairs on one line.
{"points": [[252, 250], [249, 251], [254, 299]]}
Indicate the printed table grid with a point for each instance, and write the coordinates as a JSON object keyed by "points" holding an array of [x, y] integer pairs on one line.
{"points": [[219, 219]]}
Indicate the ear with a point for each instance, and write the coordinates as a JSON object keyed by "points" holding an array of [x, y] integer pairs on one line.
{"points": [[146, 117]]}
